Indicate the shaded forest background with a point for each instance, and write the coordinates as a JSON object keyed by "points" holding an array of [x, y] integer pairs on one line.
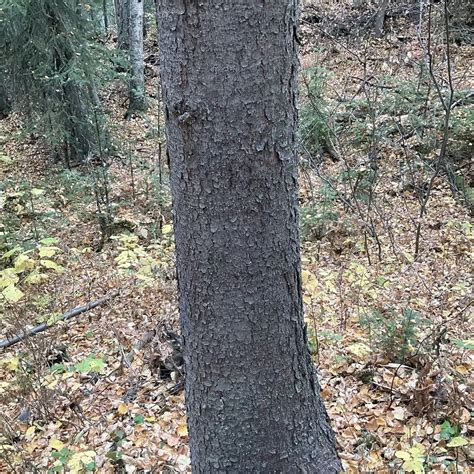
{"points": [[387, 196]]}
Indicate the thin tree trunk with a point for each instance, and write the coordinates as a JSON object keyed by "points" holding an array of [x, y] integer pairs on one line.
{"points": [[145, 24], [137, 80], [81, 134], [106, 16], [380, 18], [104, 142], [229, 77], [122, 14]]}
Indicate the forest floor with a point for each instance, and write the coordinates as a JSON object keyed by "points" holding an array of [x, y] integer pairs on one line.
{"points": [[390, 331]]}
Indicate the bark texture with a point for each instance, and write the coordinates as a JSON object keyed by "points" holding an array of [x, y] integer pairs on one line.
{"points": [[137, 79], [380, 18], [229, 72], [122, 14], [80, 131], [105, 15]]}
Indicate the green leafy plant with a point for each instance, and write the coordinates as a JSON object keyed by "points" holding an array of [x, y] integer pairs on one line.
{"points": [[465, 344], [394, 333], [61, 453], [114, 454], [448, 430], [413, 459], [134, 258], [139, 419], [90, 364], [27, 266]]}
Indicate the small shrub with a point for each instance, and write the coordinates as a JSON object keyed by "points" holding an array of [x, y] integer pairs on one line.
{"points": [[315, 132], [316, 217], [395, 334], [362, 179]]}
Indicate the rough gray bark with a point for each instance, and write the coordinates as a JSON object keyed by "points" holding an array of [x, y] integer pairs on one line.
{"points": [[105, 15], [122, 14], [229, 72], [380, 18], [81, 134], [137, 79]]}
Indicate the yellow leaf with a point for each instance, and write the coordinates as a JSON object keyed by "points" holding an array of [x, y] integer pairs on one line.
{"points": [[414, 465], [5, 159], [53, 318], [74, 464], [23, 262], [51, 381], [12, 293], [403, 455], [56, 444], [12, 363], [11, 252], [167, 228], [30, 432], [457, 442], [52, 265], [150, 419], [8, 277], [6, 447], [182, 430], [305, 276], [146, 270], [414, 459], [359, 349], [122, 409], [462, 369], [35, 277], [417, 450], [4, 386], [312, 286], [79, 460], [47, 251]]}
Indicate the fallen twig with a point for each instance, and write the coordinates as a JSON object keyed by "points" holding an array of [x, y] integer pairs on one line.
{"points": [[68, 315]]}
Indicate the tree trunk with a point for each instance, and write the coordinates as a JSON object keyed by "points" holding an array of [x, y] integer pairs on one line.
{"points": [[80, 131], [104, 142], [106, 16], [229, 72], [5, 104], [380, 18], [122, 13], [137, 80]]}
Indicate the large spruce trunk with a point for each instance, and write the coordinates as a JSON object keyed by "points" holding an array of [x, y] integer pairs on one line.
{"points": [[229, 72]]}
